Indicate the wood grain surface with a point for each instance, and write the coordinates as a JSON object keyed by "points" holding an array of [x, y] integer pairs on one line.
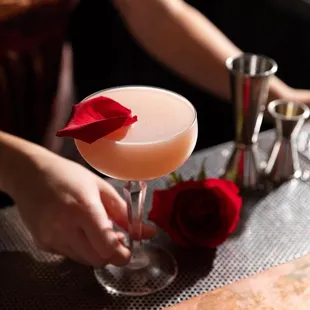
{"points": [[286, 287]]}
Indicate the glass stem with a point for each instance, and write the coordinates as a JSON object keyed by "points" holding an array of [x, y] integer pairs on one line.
{"points": [[135, 192]]}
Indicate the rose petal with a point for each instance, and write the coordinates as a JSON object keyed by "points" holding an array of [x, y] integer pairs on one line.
{"points": [[222, 183], [178, 239], [189, 223], [189, 206], [210, 238], [161, 208], [163, 200], [230, 185], [231, 203], [95, 118], [160, 214], [183, 214]]}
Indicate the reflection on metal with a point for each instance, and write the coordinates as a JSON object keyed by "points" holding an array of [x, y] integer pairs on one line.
{"points": [[283, 162], [249, 78]]}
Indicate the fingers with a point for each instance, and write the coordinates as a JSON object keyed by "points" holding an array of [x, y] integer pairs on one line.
{"points": [[71, 253], [121, 237], [116, 208], [100, 246], [64, 251], [108, 245], [87, 236], [68, 252], [79, 249], [84, 249], [103, 238]]}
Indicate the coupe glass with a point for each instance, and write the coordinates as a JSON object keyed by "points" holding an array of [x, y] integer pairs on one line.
{"points": [[157, 144]]}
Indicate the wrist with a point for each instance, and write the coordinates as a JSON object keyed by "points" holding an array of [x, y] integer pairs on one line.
{"points": [[279, 90]]}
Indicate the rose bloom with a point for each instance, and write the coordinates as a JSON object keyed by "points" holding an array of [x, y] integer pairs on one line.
{"points": [[198, 213]]}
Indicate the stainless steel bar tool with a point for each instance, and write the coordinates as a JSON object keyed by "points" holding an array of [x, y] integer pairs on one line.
{"points": [[249, 81], [283, 163]]}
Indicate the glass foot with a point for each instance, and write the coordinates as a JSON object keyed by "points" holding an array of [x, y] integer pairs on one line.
{"points": [[159, 271]]}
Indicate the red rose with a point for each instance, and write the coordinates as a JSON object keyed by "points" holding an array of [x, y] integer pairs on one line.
{"points": [[198, 213]]}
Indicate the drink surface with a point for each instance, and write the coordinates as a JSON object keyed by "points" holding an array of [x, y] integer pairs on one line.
{"points": [[158, 143]]}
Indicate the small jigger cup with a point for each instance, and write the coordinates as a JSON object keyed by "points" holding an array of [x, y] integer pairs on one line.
{"points": [[283, 163]]}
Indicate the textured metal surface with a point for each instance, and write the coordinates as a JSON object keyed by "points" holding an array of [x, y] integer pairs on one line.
{"points": [[303, 141], [274, 229]]}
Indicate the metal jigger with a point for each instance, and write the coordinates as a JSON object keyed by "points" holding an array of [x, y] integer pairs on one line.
{"points": [[289, 117], [249, 80]]}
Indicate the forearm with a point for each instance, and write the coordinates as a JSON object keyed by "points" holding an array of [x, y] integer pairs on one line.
{"points": [[186, 41], [15, 157]]}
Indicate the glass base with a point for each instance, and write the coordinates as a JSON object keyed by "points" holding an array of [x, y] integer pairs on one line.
{"points": [[159, 271]]}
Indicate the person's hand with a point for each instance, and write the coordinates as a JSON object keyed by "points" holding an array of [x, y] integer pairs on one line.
{"points": [[67, 210], [300, 95], [280, 90]]}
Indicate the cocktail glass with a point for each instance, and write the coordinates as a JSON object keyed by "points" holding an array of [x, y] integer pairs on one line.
{"points": [[160, 141]]}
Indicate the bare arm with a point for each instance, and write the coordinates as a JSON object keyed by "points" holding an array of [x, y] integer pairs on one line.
{"points": [[16, 156], [10, 159], [186, 41]]}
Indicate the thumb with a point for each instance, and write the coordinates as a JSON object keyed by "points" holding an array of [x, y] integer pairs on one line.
{"points": [[116, 209]]}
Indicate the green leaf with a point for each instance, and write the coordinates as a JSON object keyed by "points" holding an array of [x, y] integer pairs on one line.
{"points": [[202, 174], [169, 183], [180, 178], [176, 178]]}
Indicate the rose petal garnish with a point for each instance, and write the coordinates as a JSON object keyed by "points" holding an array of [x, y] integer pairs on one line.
{"points": [[95, 118]]}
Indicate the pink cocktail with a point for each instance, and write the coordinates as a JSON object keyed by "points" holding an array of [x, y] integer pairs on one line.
{"points": [[157, 144]]}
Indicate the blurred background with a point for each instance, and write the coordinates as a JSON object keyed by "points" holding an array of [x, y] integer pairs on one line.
{"points": [[53, 53]]}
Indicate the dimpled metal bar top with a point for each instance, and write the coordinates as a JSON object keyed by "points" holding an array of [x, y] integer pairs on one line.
{"points": [[274, 229]]}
